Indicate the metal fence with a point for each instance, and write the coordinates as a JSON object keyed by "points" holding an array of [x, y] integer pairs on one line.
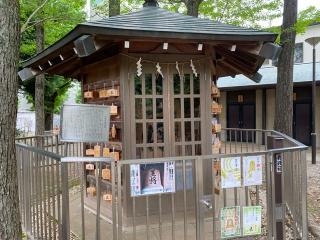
{"points": [[40, 181], [191, 212]]}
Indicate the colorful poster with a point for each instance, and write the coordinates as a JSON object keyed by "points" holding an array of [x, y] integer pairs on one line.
{"points": [[252, 170], [153, 178], [230, 222], [231, 172], [252, 220]]}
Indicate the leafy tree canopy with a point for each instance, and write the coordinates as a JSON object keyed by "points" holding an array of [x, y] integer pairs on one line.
{"points": [[305, 18], [58, 17], [248, 13], [56, 89]]}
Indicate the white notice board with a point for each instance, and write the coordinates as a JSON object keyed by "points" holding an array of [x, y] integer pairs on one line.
{"points": [[85, 123]]}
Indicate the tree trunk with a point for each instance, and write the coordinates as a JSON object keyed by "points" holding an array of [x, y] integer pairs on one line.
{"points": [[114, 7], [284, 89], [10, 227], [48, 121], [193, 7], [39, 87]]}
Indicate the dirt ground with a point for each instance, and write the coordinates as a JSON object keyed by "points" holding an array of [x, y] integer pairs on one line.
{"points": [[314, 190]]}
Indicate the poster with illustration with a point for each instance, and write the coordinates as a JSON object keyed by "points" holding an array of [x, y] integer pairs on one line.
{"points": [[230, 222], [251, 220], [231, 172], [154, 178], [252, 170]]}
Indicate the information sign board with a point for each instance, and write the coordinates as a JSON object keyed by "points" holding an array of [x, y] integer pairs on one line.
{"points": [[85, 123]]}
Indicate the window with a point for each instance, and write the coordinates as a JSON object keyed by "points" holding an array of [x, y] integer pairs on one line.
{"points": [[298, 53]]}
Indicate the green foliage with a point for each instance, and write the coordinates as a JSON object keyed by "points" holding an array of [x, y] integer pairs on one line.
{"points": [[305, 18], [58, 17], [247, 13], [56, 89], [78, 94]]}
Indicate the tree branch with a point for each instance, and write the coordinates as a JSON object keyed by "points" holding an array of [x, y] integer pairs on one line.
{"points": [[62, 18], [24, 26]]}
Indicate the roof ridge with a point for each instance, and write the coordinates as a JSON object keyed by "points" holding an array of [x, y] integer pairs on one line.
{"points": [[181, 16]]}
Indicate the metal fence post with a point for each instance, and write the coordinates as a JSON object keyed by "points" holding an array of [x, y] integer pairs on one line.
{"points": [[304, 182], [199, 193], [65, 198], [275, 142], [27, 190]]}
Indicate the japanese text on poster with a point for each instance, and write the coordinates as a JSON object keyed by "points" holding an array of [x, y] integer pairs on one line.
{"points": [[230, 222], [252, 170], [252, 220], [155, 178], [231, 172]]}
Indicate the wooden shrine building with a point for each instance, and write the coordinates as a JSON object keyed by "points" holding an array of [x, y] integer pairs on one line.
{"points": [[156, 68]]}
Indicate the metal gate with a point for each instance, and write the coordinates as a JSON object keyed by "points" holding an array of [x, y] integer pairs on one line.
{"points": [[196, 207]]}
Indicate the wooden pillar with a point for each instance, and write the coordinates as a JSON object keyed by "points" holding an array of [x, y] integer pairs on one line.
{"points": [[264, 113]]}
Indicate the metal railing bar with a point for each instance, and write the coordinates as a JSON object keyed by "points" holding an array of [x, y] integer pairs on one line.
{"points": [[119, 201], [114, 203], [213, 199], [268, 131], [49, 197], [134, 228], [160, 217], [184, 199], [98, 186], [147, 217], [39, 174], [82, 191], [44, 197], [85, 159], [58, 193], [268, 194], [39, 151], [173, 234], [54, 225]]}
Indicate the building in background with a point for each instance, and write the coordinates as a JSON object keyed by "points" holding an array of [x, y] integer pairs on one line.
{"points": [[251, 105], [90, 9], [26, 119]]}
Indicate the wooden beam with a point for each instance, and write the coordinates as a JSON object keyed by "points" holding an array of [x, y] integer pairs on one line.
{"points": [[240, 64], [236, 57], [178, 40], [211, 53], [227, 69], [27, 73]]}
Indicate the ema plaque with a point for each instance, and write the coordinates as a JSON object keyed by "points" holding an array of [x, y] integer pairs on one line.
{"points": [[85, 123]]}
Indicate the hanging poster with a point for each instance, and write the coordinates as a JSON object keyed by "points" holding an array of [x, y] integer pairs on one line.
{"points": [[231, 172], [252, 170], [154, 178], [252, 220], [230, 222]]}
